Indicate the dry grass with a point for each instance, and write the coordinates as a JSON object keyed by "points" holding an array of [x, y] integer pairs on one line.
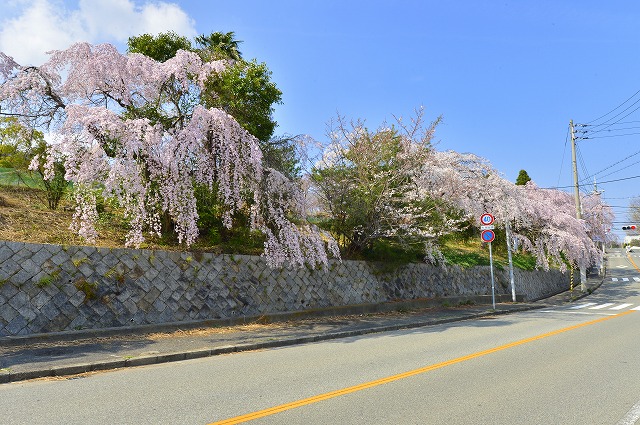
{"points": [[24, 217]]}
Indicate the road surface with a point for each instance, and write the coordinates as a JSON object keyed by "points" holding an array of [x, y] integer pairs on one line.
{"points": [[572, 364]]}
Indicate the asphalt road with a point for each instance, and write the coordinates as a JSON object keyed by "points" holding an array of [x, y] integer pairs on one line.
{"points": [[572, 364]]}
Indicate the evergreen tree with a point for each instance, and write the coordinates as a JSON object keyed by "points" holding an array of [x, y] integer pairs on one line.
{"points": [[523, 178]]}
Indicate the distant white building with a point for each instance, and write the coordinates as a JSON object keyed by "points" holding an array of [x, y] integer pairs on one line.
{"points": [[632, 240]]}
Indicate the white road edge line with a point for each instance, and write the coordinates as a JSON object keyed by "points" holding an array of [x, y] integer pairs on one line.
{"points": [[598, 307], [586, 313], [577, 307], [632, 415], [620, 307]]}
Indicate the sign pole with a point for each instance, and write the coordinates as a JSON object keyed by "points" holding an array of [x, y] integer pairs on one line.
{"points": [[488, 236], [493, 286]]}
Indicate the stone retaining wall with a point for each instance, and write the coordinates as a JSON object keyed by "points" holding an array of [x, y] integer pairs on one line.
{"points": [[48, 288]]}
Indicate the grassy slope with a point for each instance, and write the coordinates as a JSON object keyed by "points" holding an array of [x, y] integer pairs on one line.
{"points": [[25, 217]]}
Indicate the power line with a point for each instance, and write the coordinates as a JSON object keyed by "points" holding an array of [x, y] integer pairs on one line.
{"points": [[600, 125], [623, 168], [564, 151], [616, 108], [617, 122], [584, 185], [602, 137], [582, 164], [611, 129], [623, 206], [613, 165]]}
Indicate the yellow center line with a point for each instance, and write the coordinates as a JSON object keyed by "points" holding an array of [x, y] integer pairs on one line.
{"points": [[315, 399], [631, 261]]}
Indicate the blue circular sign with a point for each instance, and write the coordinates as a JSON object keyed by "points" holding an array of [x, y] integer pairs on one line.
{"points": [[486, 219], [488, 236]]}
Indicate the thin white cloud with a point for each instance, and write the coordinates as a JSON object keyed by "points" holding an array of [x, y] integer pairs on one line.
{"points": [[43, 25]]}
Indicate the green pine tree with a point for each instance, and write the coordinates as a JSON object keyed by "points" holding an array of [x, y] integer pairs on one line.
{"points": [[523, 178]]}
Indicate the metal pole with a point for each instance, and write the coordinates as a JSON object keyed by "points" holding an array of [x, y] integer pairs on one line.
{"points": [[507, 230], [493, 286], [576, 192]]}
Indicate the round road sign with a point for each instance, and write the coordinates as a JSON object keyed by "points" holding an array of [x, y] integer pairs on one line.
{"points": [[488, 236], [486, 219]]}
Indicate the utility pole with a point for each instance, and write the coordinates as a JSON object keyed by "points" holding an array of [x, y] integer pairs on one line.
{"points": [[507, 229], [583, 269], [604, 237]]}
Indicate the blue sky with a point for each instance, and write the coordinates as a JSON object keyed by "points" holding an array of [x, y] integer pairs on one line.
{"points": [[506, 76]]}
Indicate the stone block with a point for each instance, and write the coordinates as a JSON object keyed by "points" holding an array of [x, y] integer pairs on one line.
{"points": [[17, 326], [40, 299], [174, 285], [151, 274], [5, 253], [7, 313], [77, 298], [130, 307], [10, 268], [60, 323], [174, 274], [110, 260], [143, 264], [21, 255], [180, 314], [38, 325], [145, 306], [172, 304], [124, 295], [86, 269], [101, 270], [41, 257], [159, 305], [69, 310], [60, 258], [98, 307], [59, 299], [77, 323], [19, 300], [30, 289], [127, 261], [68, 289], [8, 290], [144, 285], [50, 311]]}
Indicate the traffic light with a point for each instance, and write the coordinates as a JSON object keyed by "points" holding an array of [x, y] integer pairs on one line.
{"points": [[629, 227]]}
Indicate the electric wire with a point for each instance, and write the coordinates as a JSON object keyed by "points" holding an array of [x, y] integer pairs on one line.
{"points": [[613, 165], [608, 136], [616, 108], [611, 124], [564, 151], [620, 169], [582, 164], [613, 129], [585, 185], [577, 125]]}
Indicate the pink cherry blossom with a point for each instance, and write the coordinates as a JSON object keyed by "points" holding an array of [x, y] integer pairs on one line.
{"points": [[133, 129]]}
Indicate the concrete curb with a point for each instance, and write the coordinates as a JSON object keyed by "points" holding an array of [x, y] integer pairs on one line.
{"points": [[201, 353], [12, 341]]}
